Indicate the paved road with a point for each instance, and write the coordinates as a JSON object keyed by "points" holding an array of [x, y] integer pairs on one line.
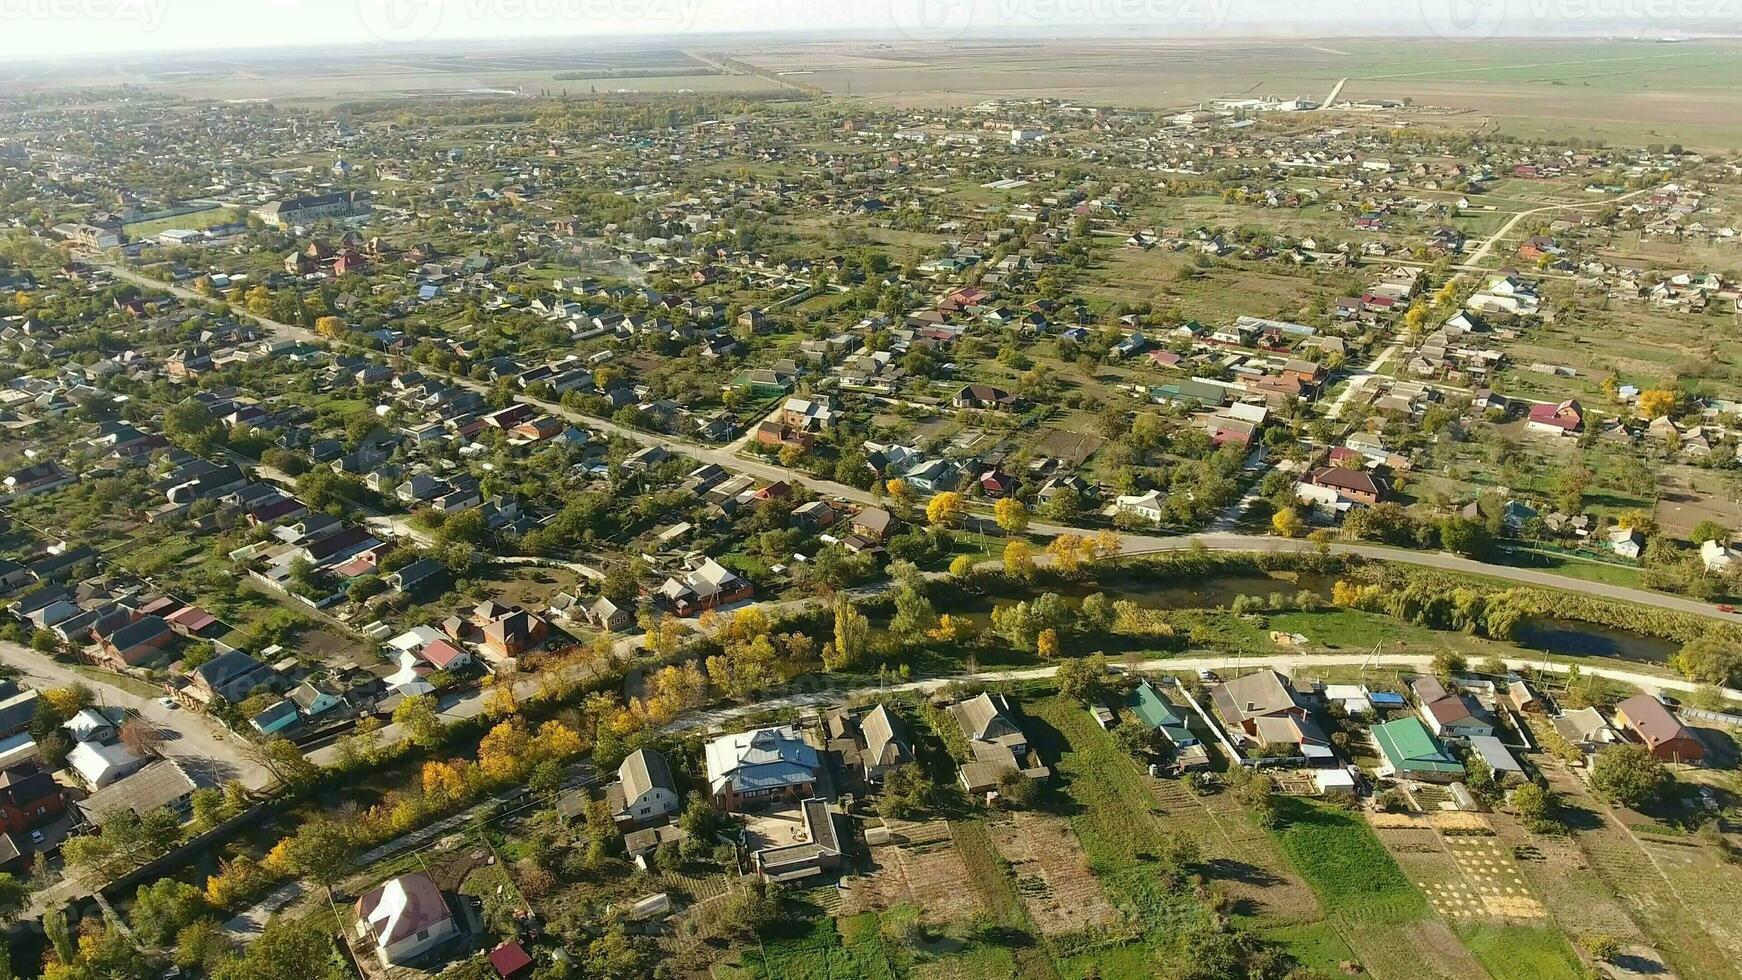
{"points": [[1292, 664], [1356, 379], [193, 739], [1473, 264]]}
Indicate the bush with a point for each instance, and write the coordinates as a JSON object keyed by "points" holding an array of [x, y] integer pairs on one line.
{"points": [[1630, 775]]}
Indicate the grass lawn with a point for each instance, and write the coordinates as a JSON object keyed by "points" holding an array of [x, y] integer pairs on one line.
{"points": [[1590, 571], [1346, 865], [132, 685], [1315, 945], [1112, 817], [823, 948], [1522, 952], [193, 221]]}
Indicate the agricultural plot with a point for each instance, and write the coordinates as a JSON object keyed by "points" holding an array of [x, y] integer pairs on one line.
{"points": [[1375, 907], [920, 867], [1515, 952], [1675, 927], [1052, 874]]}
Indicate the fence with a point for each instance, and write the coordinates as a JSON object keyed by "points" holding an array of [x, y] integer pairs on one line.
{"points": [[1715, 717]]}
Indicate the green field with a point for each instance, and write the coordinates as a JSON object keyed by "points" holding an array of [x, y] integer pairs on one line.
{"points": [[1347, 867], [1522, 952], [195, 221]]}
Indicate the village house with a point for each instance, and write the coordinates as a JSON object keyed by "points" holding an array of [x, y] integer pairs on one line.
{"points": [[870, 743], [404, 918], [1648, 720], [644, 792], [756, 768], [997, 742]]}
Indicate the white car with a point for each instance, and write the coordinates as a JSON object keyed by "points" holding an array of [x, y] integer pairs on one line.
{"points": [[168, 703]]}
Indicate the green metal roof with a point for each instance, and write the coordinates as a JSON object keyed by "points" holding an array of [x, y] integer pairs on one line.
{"points": [[1153, 709], [1408, 746]]}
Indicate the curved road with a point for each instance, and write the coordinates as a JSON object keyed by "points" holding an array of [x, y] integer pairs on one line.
{"points": [[1288, 663], [1134, 544]]}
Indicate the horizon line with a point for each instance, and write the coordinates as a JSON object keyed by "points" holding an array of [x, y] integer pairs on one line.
{"points": [[882, 34]]}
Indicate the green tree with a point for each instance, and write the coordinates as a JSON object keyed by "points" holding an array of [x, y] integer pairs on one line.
{"points": [[1630, 775], [914, 615], [1710, 659], [417, 715], [193, 427], [60, 935], [286, 950], [1449, 664], [1083, 679], [1463, 536], [322, 850], [163, 908], [852, 635], [907, 792]]}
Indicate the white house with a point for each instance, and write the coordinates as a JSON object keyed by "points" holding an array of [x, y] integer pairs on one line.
{"points": [[100, 765], [1626, 542], [1718, 556], [1146, 506], [644, 792], [406, 917]]}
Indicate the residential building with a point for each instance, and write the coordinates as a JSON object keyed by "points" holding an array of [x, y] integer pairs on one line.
{"points": [[1410, 751], [755, 768], [998, 744], [1648, 720], [405, 917], [644, 792], [870, 743], [1265, 693]]}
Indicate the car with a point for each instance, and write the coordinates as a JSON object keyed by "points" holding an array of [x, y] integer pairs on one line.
{"points": [[168, 703], [1668, 701], [1726, 608], [37, 838]]}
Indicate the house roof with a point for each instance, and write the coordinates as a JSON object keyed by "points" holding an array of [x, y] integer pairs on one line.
{"points": [[1650, 720], [1254, 695], [1153, 709], [642, 771], [1408, 746], [1495, 754], [441, 653], [985, 718], [886, 738], [765, 758], [163, 783], [509, 959], [402, 907], [144, 630]]}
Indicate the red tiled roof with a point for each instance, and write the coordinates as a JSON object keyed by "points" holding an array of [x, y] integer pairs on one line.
{"points": [[191, 618], [509, 959], [441, 653]]}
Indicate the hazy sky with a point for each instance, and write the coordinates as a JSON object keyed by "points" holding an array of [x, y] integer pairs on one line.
{"points": [[34, 28]]}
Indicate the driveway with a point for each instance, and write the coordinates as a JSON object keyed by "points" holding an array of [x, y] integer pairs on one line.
{"points": [[206, 750]]}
